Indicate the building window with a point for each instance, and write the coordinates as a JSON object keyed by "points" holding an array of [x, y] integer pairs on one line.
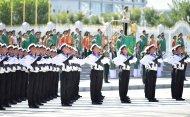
{"points": [[85, 7], [107, 8], [95, 8]]}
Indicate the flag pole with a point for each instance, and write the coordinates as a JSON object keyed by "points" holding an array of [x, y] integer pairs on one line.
{"points": [[24, 10], [49, 12], [36, 12], [11, 13]]}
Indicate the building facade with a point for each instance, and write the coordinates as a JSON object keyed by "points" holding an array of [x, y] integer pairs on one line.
{"points": [[93, 7]]}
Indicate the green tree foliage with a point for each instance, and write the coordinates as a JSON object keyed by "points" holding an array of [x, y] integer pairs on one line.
{"points": [[95, 20], [151, 16], [180, 9], [136, 15], [5, 11], [166, 19]]}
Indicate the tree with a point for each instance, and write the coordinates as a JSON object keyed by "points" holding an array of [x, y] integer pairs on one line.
{"points": [[151, 16], [136, 15], [166, 19], [5, 11], [180, 9]]}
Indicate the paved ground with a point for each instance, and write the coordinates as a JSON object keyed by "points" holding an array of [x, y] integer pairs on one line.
{"points": [[111, 107], [134, 83]]}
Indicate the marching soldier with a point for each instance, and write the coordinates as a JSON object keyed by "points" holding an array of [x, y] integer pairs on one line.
{"points": [[123, 60], [62, 59], [178, 62], [2, 76], [96, 76], [27, 62], [150, 60]]}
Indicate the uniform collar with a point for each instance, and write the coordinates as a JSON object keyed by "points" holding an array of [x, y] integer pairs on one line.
{"points": [[30, 54], [153, 55], [125, 55], [177, 54], [95, 54], [64, 54]]}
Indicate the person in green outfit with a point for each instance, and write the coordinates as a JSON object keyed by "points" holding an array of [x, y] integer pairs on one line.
{"points": [[32, 37], [78, 43], [5, 37], [99, 38], [137, 70], [1, 36], [106, 66], [49, 42], [145, 38], [142, 43], [76, 34], [119, 42], [162, 44], [180, 40], [55, 37], [25, 41]]}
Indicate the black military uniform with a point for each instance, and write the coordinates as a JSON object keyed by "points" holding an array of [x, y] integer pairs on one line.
{"points": [[150, 60], [96, 75], [123, 60]]}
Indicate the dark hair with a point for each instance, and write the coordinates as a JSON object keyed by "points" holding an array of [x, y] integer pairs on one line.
{"points": [[126, 7]]}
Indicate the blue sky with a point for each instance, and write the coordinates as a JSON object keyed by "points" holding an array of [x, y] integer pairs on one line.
{"points": [[159, 4]]}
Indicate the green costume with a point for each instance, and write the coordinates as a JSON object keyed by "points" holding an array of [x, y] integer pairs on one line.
{"points": [[79, 45], [49, 42], [55, 39], [25, 44], [118, 44], [33, 39], [1, 41], [5, 39], [162, 43], [99, 39], [180, 41], [138, 56], [75, 38]]}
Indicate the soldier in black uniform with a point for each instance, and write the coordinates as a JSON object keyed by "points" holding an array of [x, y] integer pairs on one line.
{"points": [[124, 60], [2, 76], [27, 62], [178, 61], [151, 60], [96, 76]]}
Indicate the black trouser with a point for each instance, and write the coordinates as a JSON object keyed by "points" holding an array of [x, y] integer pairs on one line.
{"points": [[185, 67], [125, 27], [13, 85], [32, 89], [123, 84], [24, 84], [8, 87], [2, 89], [56, 82], [18, 84], [77, 83], [178, 83], [150, 84], [96, 80], [106, 72], [64, 87], [173, 82]]}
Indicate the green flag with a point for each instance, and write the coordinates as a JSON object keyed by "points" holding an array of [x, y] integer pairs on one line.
{"points": [[130, 42]]}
